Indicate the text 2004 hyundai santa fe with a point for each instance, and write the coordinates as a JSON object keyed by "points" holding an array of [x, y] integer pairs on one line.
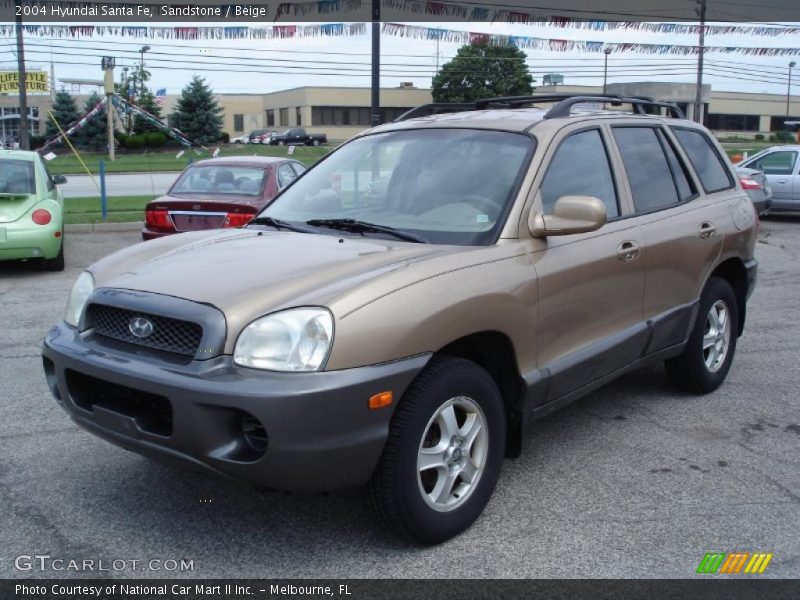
{"points": [[400, 313]]}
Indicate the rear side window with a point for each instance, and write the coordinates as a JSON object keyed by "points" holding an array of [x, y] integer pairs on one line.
{"points": [[648, 169], [705, 159], [580, 167]]}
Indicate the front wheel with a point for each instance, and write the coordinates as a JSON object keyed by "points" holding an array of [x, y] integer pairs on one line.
{"points": [[316, 142], [707, 357], [443, 455]]}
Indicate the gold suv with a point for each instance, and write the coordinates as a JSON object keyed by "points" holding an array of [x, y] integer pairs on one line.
{"points": [[401, 313]]}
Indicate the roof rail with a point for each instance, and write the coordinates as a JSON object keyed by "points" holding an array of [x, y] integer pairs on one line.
{"points": [[562, 108]]}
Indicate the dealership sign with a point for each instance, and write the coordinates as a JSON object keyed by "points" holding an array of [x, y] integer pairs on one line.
{"points": [[35, 82]]}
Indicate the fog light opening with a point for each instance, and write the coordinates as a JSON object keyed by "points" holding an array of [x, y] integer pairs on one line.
{"points": [[254, 433]]}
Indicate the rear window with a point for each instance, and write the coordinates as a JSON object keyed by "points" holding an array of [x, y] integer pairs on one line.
{"points": [[17, 177], [220, 180], [705, 159]]}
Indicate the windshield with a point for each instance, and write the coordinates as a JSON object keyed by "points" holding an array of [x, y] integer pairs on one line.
{"points": [[448, 186], [239, 181], [16, 177]]}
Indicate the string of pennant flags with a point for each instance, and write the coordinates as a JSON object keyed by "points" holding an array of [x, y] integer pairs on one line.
{"points": [[401, 30], [434, 8]]}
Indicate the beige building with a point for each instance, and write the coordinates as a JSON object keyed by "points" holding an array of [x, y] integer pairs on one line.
{"points": [[341, 112]]}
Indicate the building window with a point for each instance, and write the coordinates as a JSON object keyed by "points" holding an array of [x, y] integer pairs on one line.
{"points": [[298, 116], [777, 123], [271, 118], [720, 122], [351, 115], [284, 116], [238, 122]]}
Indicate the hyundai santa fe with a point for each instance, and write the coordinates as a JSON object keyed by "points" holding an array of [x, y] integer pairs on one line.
{"points": [[403, 312]]}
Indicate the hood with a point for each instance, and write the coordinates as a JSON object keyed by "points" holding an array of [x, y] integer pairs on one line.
{"points": [[14, 206], [247, 273]]}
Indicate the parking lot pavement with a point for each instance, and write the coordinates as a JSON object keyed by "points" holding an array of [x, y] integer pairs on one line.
{"points": [[637, 480]]}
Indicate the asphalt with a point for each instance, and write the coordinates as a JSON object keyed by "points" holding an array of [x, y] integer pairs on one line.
{"points": [[118, 184], [637, 480]]}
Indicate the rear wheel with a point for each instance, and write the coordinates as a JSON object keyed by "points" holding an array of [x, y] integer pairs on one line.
{"points": [[444, 453], [56, 263], [316, 142], [707, 357]]}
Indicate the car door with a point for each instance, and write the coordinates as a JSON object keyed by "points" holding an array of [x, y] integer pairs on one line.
{"points": [[591, 284], [681, 216], [781, 170]]}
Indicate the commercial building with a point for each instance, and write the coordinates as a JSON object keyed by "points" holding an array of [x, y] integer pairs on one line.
{"points": [[341, 112]]}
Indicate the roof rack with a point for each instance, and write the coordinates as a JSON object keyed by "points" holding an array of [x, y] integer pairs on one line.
{"points": [[562, 108]]}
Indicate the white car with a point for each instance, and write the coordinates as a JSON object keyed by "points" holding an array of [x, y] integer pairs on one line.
{"points": [[242, 139], [781, 166]]}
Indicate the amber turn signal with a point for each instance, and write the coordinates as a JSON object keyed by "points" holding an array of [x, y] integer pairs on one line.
{"points": [[380, 400]]}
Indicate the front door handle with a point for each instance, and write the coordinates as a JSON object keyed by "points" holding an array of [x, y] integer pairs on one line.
{"points": [[707, 230], [628, 251]]}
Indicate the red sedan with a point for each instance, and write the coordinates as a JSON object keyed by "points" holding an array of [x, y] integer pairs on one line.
{"points": [[219, 192]]}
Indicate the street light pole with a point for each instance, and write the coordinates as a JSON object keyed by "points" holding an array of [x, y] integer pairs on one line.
{"points": [[606, 51], [792, 65], [375, 100], [701, 50]]}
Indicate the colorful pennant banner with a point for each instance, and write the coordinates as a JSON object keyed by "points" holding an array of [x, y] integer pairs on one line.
{"points": [[559, 45], [478, 13], [122, 105], [191, 33], [79, 124]]}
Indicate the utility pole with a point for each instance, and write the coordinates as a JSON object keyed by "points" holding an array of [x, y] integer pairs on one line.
{"points": [[108, 86], [375, 105], [24, 139], [792, 65], [698, 101]]}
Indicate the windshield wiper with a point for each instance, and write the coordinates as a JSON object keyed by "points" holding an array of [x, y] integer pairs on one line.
{"points": [[279, 224], [356, 226]]}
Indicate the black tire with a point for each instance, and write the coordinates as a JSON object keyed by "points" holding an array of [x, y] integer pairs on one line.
{"points": [[281, 143], [315, 143], [689, 371], [56, 263], [394, 492]]}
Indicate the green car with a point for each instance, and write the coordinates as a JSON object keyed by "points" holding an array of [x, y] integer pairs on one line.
{"points": [[31, 210]]}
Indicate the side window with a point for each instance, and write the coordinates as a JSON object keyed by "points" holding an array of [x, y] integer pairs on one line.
{"points": [[705, 159], [285, 175], [775, 163], [580, 167], [647, 167], [683, 183], [299, 168]]}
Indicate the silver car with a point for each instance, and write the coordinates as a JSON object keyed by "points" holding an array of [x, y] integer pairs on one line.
{"points": [[757, 187], [781, 166]]}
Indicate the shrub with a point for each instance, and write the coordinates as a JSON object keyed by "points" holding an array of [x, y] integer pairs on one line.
{"points": [[135, 142], [37, 140], [225, 137], [155, 139], [784, 136], [759, 137]]}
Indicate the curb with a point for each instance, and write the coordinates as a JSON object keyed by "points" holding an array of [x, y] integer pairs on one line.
{"points": [[103, 227]]}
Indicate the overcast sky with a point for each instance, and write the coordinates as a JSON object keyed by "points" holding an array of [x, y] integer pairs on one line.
{"points": [[408, 59]]}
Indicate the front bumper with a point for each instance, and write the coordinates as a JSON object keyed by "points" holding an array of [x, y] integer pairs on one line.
{"points": [[320, 433]]}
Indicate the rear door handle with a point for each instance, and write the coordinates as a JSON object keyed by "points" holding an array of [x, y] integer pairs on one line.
{"points": [[783, 181], [707, 230], [628, 251]]}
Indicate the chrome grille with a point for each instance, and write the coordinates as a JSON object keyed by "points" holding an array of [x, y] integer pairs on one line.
{"points": [[168, 334]]}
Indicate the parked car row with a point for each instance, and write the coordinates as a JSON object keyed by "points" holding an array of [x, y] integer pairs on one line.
{"points": [[291, 137]]}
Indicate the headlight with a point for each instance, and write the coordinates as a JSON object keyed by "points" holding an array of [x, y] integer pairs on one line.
{"points": [[83, 288], [291, 340]]}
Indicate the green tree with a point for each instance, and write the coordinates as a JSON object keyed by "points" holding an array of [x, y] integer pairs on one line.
{"points": [[64, 110], [147, 102], [481, 70], [198, 114], [93, 136]]}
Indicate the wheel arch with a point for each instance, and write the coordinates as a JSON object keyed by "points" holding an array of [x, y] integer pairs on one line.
{"points": [[494, 351], [733, 271]]}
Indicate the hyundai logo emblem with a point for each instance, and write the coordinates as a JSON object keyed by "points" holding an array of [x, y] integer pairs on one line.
{"points": [[140, 327]]}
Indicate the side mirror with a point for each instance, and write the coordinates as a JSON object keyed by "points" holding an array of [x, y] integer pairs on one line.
{"points": [[571, 214], [59, 179]]}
